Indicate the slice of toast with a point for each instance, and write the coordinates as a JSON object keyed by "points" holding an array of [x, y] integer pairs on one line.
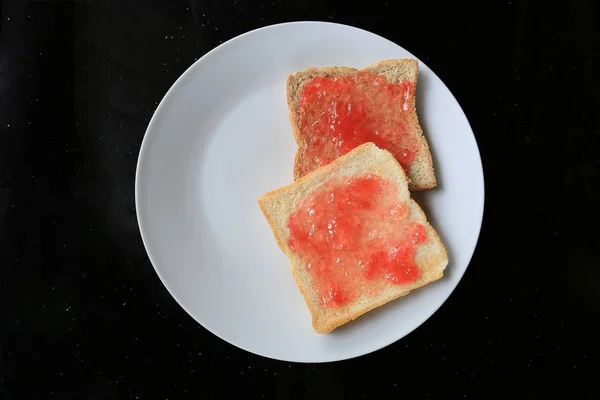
{"points": [[430, 257], [420, 171]]}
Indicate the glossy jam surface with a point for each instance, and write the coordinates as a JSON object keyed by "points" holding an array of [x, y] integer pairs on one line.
{"points": [[338, 114], [354, 236]]}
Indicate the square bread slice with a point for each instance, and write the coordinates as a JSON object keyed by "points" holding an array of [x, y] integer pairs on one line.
{"points": [[396, 71], [367, 160]]}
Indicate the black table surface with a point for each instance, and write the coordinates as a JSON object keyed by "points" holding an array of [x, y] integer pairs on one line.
{"points": [[84, 315]]}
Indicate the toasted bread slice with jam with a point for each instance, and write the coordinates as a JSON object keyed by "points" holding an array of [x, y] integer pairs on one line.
{"points": [[355, 238], [319, 97]]}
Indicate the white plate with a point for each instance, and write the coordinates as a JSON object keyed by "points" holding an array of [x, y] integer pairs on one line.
{"points": [[221, 137]]}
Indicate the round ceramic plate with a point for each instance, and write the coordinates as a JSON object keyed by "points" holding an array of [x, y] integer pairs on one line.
{"points": [[221, 137]]}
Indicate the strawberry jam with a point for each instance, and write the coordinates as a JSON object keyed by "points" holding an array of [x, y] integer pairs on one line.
{"points": [[354, 237], [338, 114]]}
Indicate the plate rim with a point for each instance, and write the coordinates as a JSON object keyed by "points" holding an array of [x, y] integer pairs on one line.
{"points": [[142, 155]]}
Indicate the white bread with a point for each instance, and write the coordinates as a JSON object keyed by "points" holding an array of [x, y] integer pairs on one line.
{"points": [[421, 172], [430, 257]]}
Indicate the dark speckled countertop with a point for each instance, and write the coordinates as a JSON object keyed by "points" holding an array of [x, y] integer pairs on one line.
{"points": [[83, 314]]}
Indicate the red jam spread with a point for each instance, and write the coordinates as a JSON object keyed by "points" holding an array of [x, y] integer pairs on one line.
{"points": [[353, 236], [338, 114]]}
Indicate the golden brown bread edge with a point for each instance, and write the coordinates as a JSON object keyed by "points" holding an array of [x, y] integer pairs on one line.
{"points": [[431, 257]]}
